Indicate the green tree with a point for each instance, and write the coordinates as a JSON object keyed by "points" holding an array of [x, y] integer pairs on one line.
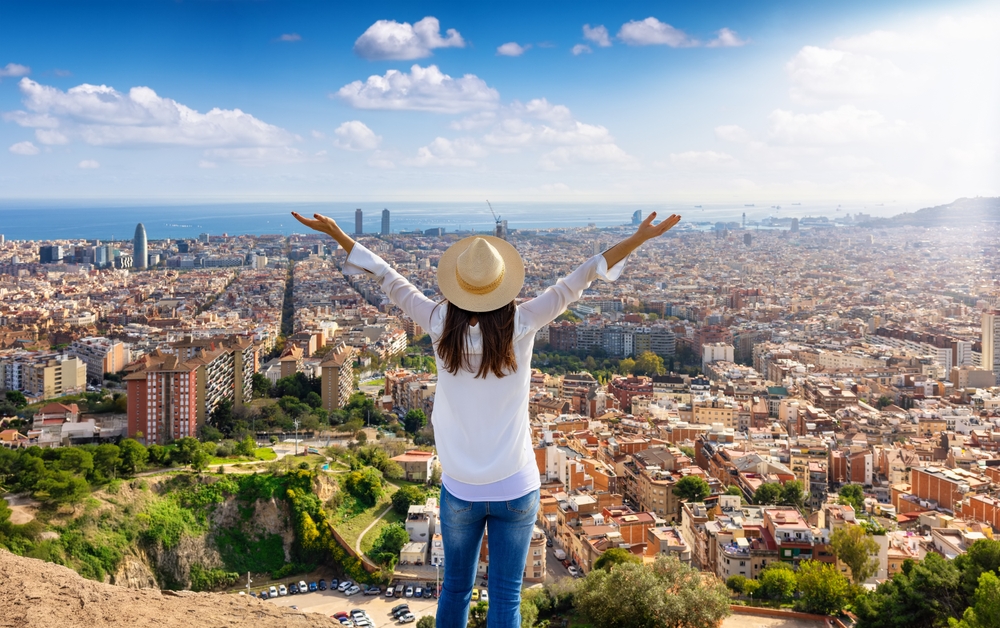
{"points": [[414, 420], [245, 447], [17, 398], [648, 363], [365, 484], [615, 556], [777, 582], [982, 556], [427, 621], [185, 449], [529, 613], [854, 547], [852, 495], [734, 490], [666, 594], [824, 590], [925, 593], [201, 456], [261, 385], [736, 584], [767, 494], [692, 488], [107, 459], [75, 460], [626, 366], [133, 457], [385, 549], [792, 494], [313, 400], [405, 497], [62, 487], [477, 615], [985, 609]]}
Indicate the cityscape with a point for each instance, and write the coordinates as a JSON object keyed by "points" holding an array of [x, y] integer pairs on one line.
{"points": [[784, 412]]}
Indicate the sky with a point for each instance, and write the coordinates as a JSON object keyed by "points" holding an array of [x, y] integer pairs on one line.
{"points": [[626, 102]]}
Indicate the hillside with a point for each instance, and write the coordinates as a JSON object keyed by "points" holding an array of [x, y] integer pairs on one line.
{"points": [[963, 212], [37, 594]]}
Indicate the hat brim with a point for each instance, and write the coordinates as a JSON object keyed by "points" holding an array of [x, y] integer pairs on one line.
{"points": [[510, 286]]}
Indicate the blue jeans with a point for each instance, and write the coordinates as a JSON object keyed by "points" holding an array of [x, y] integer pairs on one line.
{"points": [[510, 526]]}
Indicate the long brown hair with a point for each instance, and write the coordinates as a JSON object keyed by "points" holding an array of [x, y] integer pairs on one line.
{"points": [[497, 330]]}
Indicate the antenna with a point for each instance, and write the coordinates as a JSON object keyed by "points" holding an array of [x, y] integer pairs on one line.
{"points": [[498, 230]]}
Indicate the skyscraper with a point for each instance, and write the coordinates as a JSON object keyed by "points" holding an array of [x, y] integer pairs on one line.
{"points": [[795, 225], [637, 217], [50, 254], [139, 255], [358, 222], [385, 222], [991, 342]]}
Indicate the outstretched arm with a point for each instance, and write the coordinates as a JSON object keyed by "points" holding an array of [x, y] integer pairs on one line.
{"points": [[646, 231], [329, 226]]}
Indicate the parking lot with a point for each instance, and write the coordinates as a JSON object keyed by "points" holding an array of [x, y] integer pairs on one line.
{"points": [[330, 602]]}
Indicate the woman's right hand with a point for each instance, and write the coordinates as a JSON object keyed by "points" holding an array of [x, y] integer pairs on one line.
{"points": [[329, 226], [647, 230]]}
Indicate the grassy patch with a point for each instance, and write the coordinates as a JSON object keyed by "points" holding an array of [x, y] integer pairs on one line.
{"points": [[352, 517], [265, 453], [390, 517]]}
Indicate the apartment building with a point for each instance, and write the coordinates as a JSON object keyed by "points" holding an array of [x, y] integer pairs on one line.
{"points": [[43, 375], [337, 377], [101, 355]]}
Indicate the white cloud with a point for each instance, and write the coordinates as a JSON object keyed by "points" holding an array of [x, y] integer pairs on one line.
{"points": [[204, 163], [702, 159], [845, 125], [478, 120], [14, 69], [597, 34], [579, 49], [381, 160], [319, 135], [102, 116], [823, 73], [461, 152], [849, 162], [603, 154], [388, 39], [24, 148], [512, 49], [423, 89], [355, 135], [732, 133], [651, 31], [726, 38], [290, 37], [88, 164]]}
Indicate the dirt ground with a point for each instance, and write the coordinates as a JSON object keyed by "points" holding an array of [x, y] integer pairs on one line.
{"points": [[22, 508], [752, 621]]}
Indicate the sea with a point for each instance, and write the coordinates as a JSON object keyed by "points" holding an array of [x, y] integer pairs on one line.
{"points": [[115, 220]]}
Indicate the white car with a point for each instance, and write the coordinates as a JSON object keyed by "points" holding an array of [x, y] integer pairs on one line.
{"points": [[272, 592], [345, 585], [302, 587], [407, 618], [484, 596], [354, 589], [572, 571], [282, 590], [409, 592]]}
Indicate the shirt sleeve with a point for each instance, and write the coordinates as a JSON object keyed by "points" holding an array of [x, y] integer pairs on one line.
{"points": [[544, 308], [400, 291]]}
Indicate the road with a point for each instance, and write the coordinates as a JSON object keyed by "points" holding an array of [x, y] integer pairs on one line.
{"points": [[553, 567]]}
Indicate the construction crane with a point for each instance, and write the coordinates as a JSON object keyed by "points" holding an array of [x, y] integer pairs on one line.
{"points": [[499, 231]]}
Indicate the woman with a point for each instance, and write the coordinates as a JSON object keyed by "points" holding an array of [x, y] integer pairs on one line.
{"points": [[483, 343]]}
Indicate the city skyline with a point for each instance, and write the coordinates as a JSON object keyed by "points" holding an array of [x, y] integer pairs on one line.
{"points": [[638, 103]]}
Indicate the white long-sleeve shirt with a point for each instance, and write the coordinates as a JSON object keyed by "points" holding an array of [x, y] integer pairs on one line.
{"points": [[481, 426]]}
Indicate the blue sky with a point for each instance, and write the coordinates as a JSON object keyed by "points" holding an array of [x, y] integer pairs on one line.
{"points": [[558, 101]]}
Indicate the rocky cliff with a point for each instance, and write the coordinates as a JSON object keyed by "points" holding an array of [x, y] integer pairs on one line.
{"points": [[37, 594]]}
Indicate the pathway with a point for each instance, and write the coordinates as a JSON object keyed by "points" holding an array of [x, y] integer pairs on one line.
{"points": [[357, 544]]}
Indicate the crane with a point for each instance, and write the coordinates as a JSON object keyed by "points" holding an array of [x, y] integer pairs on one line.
{"points": [[499, 230]]}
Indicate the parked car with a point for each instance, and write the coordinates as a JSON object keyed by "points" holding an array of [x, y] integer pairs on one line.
{"points": [[262, 595], [321, 585], [484, 595], [272, 592], [340, 615], [293, 589], [407, 618], [345, 585], [548, 542], [398, 591], [388, 591], [282, 590], [427, 592], [409, 592], [303, 587], [334, 583], [373, 590], [352, 590], [401, 612], [475, 595], [399, 607], [573, 571], [418, 592]]}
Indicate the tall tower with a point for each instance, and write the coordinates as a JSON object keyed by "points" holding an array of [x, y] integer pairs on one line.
{"points": [[385, 222], [744, 220], [637, 217], [139, 255], [358, 222], [795, 225], [991, 342]]}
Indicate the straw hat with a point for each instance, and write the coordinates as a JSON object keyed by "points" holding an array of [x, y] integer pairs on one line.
{"points": [[480, 273]]}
